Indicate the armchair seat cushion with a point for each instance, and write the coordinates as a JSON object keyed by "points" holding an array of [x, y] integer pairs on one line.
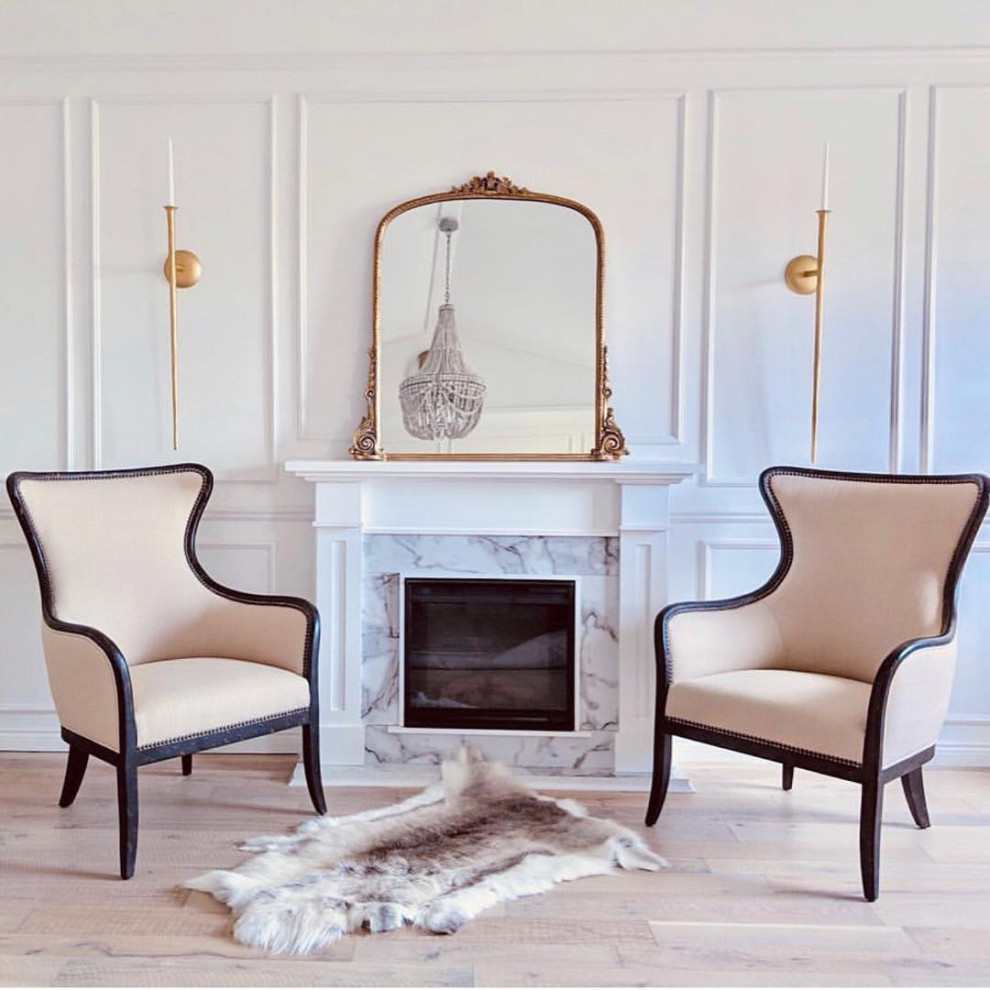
{"points": [[174, 699], [816, 713]]}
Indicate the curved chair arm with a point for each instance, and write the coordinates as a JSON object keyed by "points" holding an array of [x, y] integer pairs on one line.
{"points": [[91, 684], [278, 630], [698, 638], [910, 698]]}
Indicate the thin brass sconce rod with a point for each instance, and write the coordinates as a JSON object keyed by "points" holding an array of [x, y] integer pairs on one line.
{"points": [[173, 300], [819, 321], [806, 274], [183, 270]]}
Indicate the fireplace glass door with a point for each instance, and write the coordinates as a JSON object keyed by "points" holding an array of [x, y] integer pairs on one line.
{"points": [[489, 654]]}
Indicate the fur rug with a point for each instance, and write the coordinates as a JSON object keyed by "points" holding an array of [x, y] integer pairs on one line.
{"points": [[474, 839]]}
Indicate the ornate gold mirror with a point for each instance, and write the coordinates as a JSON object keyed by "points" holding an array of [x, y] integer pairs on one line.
{"points": [[487, 333]]}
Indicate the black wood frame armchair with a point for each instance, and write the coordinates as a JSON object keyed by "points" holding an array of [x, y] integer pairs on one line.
{"points": [[148, 657], [842, 662]]}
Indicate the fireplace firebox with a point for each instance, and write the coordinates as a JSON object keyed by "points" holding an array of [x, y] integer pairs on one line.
{"points": [[489, 653]]}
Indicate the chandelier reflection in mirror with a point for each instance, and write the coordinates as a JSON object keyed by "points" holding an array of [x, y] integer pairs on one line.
{"points": [[444, 399]]}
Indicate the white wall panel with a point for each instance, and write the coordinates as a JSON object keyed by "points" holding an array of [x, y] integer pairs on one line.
{"points": [[244, 566], [700, 151], [959, 304], [971, 692], [766, 168], [223, 151], [33, 266], [23, 682], [735, 566], [620, 156]]}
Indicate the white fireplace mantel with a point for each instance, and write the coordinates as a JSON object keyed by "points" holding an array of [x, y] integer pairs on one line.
{"points": [[627, 472], [623, 499]]}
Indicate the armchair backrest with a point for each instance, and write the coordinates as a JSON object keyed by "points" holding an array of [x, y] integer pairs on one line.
{"points": [[114, 551], [868, 561]]}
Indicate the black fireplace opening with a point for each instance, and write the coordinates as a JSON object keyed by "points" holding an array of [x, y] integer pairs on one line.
{"points": [[489, 654]]}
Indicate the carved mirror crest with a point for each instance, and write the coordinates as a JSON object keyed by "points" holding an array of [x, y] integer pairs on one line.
{"points": [[487, 334]]}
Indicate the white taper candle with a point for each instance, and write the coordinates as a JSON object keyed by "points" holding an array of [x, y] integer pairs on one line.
{"points": [[171, 175]]}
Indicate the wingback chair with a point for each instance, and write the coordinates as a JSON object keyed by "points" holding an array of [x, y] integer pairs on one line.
{"points": [[148, 657], [842, 662]]}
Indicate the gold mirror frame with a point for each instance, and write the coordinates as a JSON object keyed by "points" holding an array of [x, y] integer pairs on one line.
{"points": [[609, 441]]}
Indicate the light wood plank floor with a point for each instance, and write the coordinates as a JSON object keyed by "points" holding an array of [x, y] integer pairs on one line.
{"points": [[763, 889]]}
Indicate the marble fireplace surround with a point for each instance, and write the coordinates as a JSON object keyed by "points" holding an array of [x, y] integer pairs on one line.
{"points": [[603, 523]]}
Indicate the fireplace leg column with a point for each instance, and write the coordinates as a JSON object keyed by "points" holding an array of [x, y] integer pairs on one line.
{"points": [[338, 597], [644, 522]]}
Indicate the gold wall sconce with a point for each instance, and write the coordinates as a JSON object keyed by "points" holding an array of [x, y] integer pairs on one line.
{"points": [[182, 270], [805, 274], [188, 269]]}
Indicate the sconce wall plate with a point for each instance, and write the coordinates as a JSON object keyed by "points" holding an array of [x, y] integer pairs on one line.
{"points": [[801, 274], [188, 269]]}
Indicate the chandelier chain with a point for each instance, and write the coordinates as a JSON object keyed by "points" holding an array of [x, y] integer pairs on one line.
{"points": [[446, 292]]}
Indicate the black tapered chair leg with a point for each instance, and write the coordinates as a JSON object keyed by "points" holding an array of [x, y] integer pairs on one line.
{"points": [[787, 777], [187, 764], [75, 770], [870, 814], [127, 814], [311, 764], [661, 776], [914, 792]]}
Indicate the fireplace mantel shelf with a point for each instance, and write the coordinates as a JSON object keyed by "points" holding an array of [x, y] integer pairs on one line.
{"points": [[627, 472]]}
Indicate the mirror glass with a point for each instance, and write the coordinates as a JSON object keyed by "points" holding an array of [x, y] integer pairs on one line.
{"points": [[512, 332]]}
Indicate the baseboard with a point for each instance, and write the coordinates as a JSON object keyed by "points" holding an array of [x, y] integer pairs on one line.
{"points": [[964, 743], [45, 736]]}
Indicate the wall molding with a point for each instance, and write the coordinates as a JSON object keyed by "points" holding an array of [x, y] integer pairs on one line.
{"points": [[927, 424], [707, 546], [341, 97], [269, 547], [67, 369], [709, 477], [929, 328], [619, 58], [899, 287], [64, 370], [726, 517], [271, 473], [96, 298]]}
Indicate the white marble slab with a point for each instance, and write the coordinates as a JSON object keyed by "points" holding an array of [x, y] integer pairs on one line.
{"points": [[560, 754], [593, 560], [486, 555]]}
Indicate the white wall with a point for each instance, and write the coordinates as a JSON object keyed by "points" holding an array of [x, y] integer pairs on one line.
{"points": [[693, 129]]}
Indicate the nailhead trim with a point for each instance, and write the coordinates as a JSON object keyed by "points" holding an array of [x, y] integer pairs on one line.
{"points": [[222, 728], [760, 739]]}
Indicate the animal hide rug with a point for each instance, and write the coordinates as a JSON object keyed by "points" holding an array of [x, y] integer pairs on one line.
{"points": [[436, 860]]}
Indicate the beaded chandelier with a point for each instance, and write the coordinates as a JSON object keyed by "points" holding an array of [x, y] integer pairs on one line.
{"points": [[444, 399]]}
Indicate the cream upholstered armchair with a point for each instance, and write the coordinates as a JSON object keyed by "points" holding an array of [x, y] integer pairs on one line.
{"points": [[842, 662], [148, 657]]}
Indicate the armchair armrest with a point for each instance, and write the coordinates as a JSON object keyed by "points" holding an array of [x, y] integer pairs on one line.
{"points": [[910, 697], [698, 638], [90, 682], [272, 629]]}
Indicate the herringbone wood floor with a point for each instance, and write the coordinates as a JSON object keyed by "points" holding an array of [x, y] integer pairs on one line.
{"points": [[763, 889]]}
